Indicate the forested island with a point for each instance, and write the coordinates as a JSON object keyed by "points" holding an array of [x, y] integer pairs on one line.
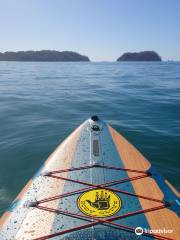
{"points": [[140, 56], [43, 56]]}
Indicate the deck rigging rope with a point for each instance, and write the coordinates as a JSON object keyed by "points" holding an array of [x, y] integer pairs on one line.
{"points": [[93, 220]]}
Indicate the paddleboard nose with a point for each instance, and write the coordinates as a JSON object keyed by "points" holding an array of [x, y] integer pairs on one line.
{"points": [[94, 118]]}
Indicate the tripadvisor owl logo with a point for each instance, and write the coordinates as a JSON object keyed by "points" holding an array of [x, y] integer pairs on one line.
{"points": [[99, 203]]}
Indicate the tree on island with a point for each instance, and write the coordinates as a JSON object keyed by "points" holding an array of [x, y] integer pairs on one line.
{"points": [[43, 56], [140, 56]]}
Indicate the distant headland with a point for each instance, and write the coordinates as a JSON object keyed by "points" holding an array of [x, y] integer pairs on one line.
{"points": [[43, 56], [140, 56]]}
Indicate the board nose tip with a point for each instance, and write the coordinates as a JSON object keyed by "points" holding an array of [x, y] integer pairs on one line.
{"points": [[94, 118]]}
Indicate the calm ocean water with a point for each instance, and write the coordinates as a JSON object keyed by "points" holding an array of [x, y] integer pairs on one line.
{"points": [[41, 103]]}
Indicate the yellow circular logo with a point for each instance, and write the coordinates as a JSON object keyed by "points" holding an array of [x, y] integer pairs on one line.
{"points": [[99, 203]]}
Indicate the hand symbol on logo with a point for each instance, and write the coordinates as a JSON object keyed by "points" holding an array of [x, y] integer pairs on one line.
{"points": [[101, 202]]}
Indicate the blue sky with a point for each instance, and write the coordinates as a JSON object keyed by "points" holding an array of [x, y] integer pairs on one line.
{"points": [[100, 29]]}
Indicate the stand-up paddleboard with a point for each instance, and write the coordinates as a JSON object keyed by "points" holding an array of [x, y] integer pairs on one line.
{"points": [[95, 185]]}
